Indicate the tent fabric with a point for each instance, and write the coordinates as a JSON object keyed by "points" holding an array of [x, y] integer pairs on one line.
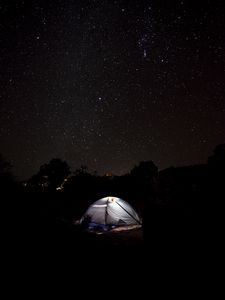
{"points": [[111, 211]]}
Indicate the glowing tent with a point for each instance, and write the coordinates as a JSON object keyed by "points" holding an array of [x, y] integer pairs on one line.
{"points": [[109, 212]]}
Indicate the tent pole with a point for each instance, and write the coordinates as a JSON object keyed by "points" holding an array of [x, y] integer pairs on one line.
{"points": [[106, 212], [128, 213]]}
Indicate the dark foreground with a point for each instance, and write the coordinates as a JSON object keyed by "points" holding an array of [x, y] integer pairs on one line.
{"points": [[46, 256], [58, 243]]}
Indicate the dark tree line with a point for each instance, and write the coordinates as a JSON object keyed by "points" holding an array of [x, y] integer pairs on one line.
{"points": [[172, 203], [51, 175]]}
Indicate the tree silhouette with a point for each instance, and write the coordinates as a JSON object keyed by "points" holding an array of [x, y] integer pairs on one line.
{"points": [[6, 177], [83, 170], [216, 168], [217, 160], [144, 181], [145, 170], [51, 175]]}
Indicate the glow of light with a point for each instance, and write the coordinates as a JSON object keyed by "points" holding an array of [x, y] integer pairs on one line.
{"points": [[112, 199]]}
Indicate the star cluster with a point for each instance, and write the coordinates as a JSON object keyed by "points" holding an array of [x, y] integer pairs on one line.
{"points": [[110, 83]]}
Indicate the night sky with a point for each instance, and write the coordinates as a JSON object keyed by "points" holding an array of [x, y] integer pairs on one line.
{"points": [[110, 83]]}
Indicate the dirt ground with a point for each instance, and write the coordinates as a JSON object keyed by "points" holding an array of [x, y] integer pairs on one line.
{"points": [[127, 236]]}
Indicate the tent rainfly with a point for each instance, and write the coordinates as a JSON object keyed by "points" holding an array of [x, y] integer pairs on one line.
{"points": [[109, 212]]}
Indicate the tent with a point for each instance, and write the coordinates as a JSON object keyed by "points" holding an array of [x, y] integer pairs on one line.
{"points": [[109, 212]]}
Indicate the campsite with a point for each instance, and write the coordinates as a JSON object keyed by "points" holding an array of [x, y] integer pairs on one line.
{"points": [[112, 140], [146, 213]]}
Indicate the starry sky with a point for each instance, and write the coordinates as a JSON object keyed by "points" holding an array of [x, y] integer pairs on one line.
{"points": [[110, 83]]}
